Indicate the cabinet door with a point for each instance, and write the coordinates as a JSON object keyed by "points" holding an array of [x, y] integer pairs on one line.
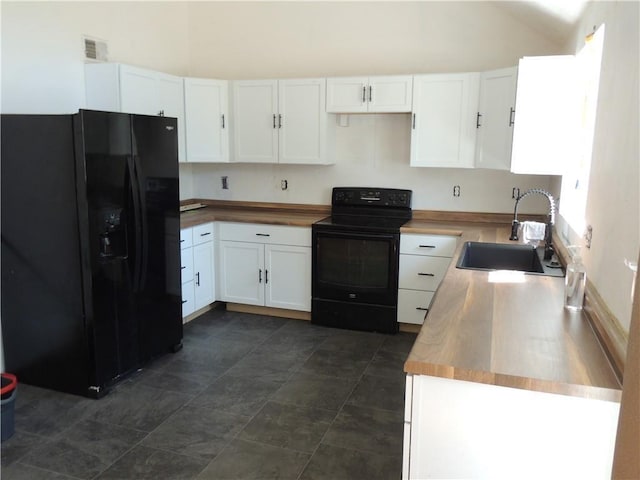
{"points": [[204, 286], [241, 272], [444, 120], [170, 91], [138, 91], [288, 277], [255, 121], [347, 94], [301, 121], [546, 118], [496, 115], [390, 93], [206, 118], [188, 301]]}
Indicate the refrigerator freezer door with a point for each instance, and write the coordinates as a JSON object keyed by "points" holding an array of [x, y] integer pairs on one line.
{"points": [[108, 235]]}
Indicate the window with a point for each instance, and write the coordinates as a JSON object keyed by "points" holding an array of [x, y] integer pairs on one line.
{"points": [[576, 183]]}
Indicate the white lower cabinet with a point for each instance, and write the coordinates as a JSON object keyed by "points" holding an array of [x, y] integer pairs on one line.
{"points": [[424, 260], [198, 267], [463, 429], [265, 265]]}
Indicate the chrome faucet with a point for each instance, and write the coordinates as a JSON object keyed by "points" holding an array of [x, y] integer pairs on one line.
{"points": [[548, 248]]}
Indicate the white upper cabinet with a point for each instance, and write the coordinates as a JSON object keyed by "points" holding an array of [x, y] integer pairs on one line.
{"points": [[206, 110], [546, 117], [280, 121], [443, 129], [495, 118], [115, 87], [369, 94]]}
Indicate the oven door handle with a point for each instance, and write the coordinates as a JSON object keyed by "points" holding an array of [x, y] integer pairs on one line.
{"points": [[353, 235]]}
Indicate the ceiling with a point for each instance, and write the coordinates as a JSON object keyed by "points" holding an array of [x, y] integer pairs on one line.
{"points": [[556, 19]]}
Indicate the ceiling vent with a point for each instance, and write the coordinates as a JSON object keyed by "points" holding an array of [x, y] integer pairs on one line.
{"points": [[95, 50]]}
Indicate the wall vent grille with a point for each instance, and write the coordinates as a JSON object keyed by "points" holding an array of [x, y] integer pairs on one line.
{"points": [[95, 50]]}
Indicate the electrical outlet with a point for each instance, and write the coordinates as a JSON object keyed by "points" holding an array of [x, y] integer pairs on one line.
{"points": [[515, 193], [225, 182], [284, 184], [456, 190]]}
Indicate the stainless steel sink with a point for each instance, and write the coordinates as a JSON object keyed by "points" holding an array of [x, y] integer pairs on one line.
{"points": [[505, 256]]}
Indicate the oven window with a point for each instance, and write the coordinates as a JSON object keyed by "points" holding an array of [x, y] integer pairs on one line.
{"points": [[357, 263]]}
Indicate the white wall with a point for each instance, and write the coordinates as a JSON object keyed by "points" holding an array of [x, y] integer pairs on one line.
{"points": [[43, 52], [613, 201]]}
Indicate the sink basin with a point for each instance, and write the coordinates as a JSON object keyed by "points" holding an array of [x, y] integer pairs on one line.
{"points": [[504, 256]]}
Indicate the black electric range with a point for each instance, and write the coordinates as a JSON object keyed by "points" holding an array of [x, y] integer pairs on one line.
{"points": [[356, 259]]}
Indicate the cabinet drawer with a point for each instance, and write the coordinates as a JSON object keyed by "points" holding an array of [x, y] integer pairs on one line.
{"points": [[413, 305], [271, 234], [186, 237], [421, 272], [434, 245], [186, 264], [203, 233]]}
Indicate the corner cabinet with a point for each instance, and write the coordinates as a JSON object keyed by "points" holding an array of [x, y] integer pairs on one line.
{"points": [[116, 87], [379, 94], [443, 123], [198, 267], [206, 118], [495, 118], [547, 115], [424, 260], [265, 265], [280, 121]]}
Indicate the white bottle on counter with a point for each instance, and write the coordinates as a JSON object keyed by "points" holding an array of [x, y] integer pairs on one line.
{"points": [[574, 281]]}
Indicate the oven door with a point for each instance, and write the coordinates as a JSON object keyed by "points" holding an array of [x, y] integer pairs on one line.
{"points": [[355, 267]]}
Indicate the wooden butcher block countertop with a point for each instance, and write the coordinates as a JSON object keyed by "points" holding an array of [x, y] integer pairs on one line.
{"points": [[246, 212], [510, 334]]}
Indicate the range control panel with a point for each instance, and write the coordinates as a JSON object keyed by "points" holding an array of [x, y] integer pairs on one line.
{"points": [[381, 197]]}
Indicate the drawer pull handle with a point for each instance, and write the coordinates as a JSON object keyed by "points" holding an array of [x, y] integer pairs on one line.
{"points": [[426, 274], [184, 301], [205, 234], [427, 246], [182, 268], [422, 308], [263, 235], [181, 241], [260, 275], [198, 279]]}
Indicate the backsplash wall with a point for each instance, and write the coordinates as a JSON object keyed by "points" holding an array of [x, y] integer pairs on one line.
{"points": [[373, 150]]}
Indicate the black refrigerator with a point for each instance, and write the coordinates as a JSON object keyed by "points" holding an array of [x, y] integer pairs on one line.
{"points": [[90, 259]]}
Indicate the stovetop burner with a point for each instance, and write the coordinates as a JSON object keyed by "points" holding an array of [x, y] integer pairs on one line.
{"points": [[370, 209]]}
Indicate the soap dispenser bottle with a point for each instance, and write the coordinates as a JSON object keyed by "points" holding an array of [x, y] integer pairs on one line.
{"points": [[574, 281]]}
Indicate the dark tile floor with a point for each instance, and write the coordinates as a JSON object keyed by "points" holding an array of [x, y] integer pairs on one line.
{"points": [[248, 396]]}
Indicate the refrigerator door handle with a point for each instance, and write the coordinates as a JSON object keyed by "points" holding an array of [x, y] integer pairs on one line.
{"points": [[142, 212], [137, 223]]}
